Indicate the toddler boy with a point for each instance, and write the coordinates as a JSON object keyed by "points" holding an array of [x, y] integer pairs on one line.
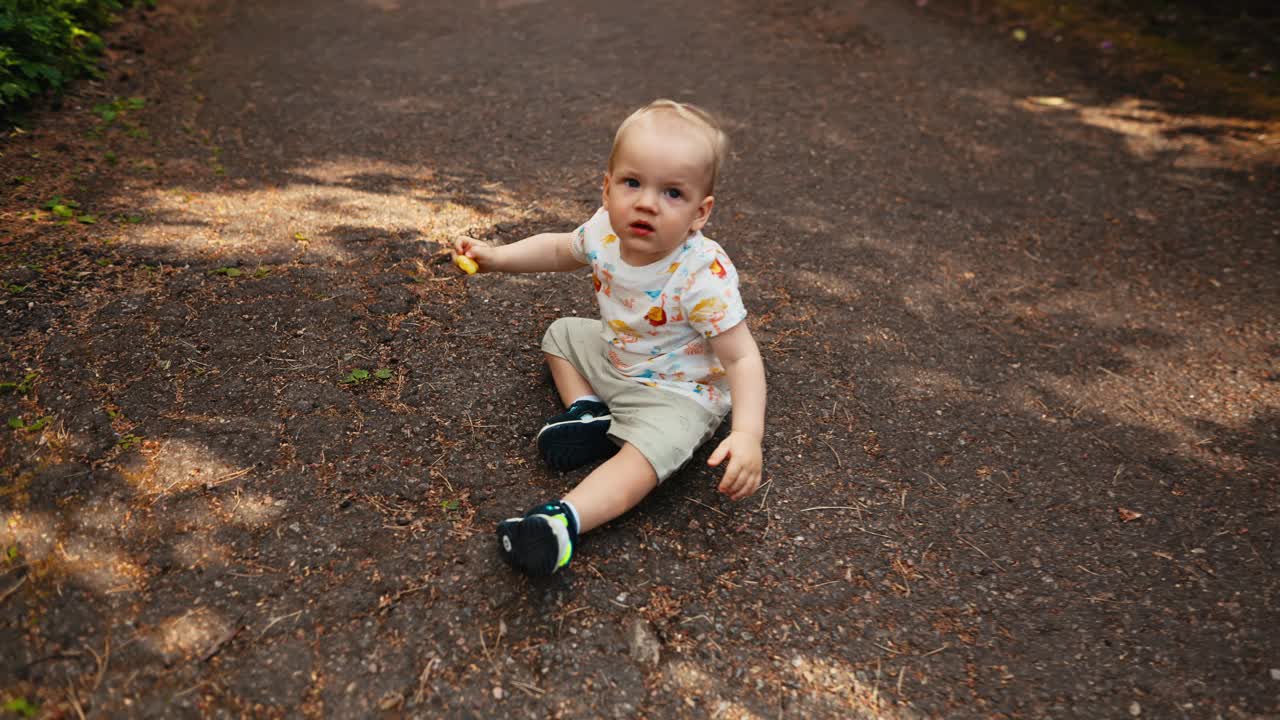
{"points": [[650, 381]]}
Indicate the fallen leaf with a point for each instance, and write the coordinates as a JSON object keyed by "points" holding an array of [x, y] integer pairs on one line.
{"points": [[1127, 515]]}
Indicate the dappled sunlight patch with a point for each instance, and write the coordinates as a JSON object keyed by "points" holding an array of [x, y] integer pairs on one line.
{"points": [[411, 105], [833, 685], [32, 534], [688, 676], [816, 687], [1199, 141], [922, 383], [255, 510], [99, 566], [829, 283], [1175, 395], [199, 549], [190, 634], [178, 466], [103, 514], [347, 201], [728, 710]]}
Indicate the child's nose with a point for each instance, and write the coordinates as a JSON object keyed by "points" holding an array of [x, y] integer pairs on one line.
{"points": [[648, 200]]}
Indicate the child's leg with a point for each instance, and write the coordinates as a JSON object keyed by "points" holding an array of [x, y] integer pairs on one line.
{"points": [[569, 382], [543, 540], [580, 435], [613, 488]]}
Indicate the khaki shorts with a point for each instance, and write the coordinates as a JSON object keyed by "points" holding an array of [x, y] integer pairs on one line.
{"points": [[665, 427]]}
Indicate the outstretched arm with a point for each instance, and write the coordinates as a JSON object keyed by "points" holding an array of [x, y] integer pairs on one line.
{"points": [[547, 252], [740, 357]]}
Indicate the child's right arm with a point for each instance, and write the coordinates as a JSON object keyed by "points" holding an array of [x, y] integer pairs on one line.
{"points": [[547, 252]]}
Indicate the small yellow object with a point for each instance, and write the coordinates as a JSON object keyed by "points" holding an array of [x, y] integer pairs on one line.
{"points": [[465, 264]]}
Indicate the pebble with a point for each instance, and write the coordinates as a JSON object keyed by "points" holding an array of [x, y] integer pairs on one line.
{"points": [[645, 646], [1135, 709], [497, 693], [1275, 674]]}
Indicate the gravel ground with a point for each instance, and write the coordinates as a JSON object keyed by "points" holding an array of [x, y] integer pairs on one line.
{"points": [[1024, 366]]}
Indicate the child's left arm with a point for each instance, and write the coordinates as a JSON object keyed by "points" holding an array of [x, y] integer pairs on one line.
{"points": [[740, 357]]}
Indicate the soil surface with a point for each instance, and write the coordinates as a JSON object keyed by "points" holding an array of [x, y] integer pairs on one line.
{"points": [[1021, 337]]}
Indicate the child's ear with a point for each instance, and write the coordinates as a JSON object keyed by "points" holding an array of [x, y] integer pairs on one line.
{"points": [[604, 191], [704, 213]]}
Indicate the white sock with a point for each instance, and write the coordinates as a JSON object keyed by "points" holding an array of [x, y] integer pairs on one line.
{"points": [[592, 398], [577, 521]]}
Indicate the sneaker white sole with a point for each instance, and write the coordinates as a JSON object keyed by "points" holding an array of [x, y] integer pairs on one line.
{"points": [[586, 421]]}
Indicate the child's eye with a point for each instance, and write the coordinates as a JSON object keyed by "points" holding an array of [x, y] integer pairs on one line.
{"points": [[674, 194], [631, 182]]}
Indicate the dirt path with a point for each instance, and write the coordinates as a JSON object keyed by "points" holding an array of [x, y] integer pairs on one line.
{"points": [[1025, 389]]}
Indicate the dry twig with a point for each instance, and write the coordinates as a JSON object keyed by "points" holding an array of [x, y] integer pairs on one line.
{"points": [[699, 502], [13, 589], [980, 550]]}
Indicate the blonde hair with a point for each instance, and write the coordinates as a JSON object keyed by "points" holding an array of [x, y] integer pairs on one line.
{"points": [[703, 121]]}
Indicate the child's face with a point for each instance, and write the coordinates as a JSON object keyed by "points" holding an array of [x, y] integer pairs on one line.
{"points": [[656, 192]]}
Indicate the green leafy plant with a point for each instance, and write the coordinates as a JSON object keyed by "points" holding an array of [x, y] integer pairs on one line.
{"points": [[360, 375], [45, 44], [61, 207], [230, 272], [128, 442], [356, 377], [22, 387], [110, 112], [20, 425], [21, 706]]}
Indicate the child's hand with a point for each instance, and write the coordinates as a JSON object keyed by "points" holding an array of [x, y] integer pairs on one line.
{"points": [[742, 477], [477, 250]]}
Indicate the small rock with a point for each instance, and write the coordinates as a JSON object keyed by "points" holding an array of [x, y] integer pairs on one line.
{"points": [[1135, 709], [645, 647], [1275, 674], [497, 693]]}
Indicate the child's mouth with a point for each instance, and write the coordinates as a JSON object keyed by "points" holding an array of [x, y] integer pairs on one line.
{"points": [[641, 227]]}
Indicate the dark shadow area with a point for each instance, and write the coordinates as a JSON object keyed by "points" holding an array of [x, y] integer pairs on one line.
{"points": [[1193, 57]]}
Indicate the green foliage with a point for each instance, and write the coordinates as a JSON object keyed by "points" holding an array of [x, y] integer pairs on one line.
{"points": [[360, 375], [45, 44], [20, 425], [23, 386], [109, 112], [21, 706]]}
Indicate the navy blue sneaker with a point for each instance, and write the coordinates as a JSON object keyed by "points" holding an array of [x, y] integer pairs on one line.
{"points": [[576, 437], [541, 542]]}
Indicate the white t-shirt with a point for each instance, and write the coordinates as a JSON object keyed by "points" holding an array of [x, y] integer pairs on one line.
{"points": [[658, 318]]}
